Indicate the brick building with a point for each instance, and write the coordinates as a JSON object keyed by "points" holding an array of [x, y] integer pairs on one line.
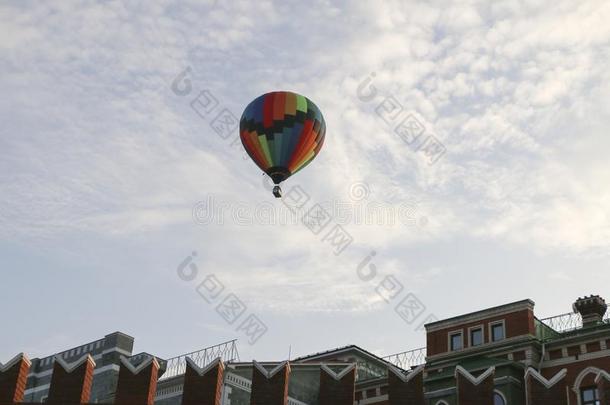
{"points": [[509, 354], [497, 356]]}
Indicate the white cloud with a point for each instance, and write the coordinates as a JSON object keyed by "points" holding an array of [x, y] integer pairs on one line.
{"points": [[93, 139]]}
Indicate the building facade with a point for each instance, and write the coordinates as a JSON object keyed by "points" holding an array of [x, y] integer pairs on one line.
{"points": [[522, 354], [498, 356], [106, 352]]}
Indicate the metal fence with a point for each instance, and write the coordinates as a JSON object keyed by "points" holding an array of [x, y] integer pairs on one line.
{"points": [[227, 351], [567, 322], [408, 359]]}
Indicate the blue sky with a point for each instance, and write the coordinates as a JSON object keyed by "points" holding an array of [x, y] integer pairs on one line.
{"points": [[102, 164]]}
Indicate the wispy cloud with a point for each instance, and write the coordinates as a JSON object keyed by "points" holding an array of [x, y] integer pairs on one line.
{"points": [[95, 143]]}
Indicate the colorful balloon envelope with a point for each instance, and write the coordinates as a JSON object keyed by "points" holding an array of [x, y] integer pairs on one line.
{"points": [[282, 132]]}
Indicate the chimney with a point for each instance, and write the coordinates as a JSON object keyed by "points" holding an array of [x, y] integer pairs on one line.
{"points": [[592, 309]]}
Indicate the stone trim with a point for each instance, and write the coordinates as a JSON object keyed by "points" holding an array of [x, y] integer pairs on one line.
{"points": [[540, 378], [480, 315], [13, 361], [269, 374], [203, 370], [474, 380], [70, 367], [341, 374], [602, 374], [408, 376], [136, 370]]}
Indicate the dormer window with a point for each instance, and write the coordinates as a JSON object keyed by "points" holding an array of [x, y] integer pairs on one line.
{"points": [[497, 331], [456, 341]]}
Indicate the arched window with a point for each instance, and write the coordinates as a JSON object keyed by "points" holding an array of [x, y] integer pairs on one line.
{"points": [[587, 395], [441, 402], [499, 398]]}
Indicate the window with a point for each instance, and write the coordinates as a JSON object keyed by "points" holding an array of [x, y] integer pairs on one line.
{"points": [[476, 336], [499, 399], [589, 396], [456, 341], [497, 331]]}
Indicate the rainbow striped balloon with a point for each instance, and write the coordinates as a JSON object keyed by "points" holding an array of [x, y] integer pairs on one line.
{"points": [[282, 132]]}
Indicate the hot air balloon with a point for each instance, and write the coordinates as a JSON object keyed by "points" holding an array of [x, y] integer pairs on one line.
{"points": [[282, 133]]}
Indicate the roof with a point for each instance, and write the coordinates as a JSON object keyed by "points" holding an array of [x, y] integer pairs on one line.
{"points": [[343, 349], [484, 313], [474, 366]]}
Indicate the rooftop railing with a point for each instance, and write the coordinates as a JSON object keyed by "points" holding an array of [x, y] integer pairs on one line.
{"points": [[408, 359], [567, 322], [227, 351]]}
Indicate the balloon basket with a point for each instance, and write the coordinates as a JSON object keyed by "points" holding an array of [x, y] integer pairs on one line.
{"points": [[277, 192]]}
